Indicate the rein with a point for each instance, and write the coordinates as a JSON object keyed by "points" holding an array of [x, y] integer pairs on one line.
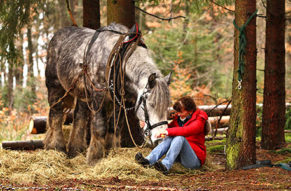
{"points": [[115, 76], [142, 100], [115, 70]]}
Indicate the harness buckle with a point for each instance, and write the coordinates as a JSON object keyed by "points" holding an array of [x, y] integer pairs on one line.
{"points": [[122, 92], [147, 132]]}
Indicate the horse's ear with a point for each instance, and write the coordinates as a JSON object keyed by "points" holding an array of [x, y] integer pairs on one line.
{"points": [[152, 80], [168, 78], [133, 29]]}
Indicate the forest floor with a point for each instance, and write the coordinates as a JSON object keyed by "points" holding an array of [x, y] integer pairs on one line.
{"points": [[263, 178]]}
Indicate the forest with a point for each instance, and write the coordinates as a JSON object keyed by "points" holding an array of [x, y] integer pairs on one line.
{"points": [[232, 57]]}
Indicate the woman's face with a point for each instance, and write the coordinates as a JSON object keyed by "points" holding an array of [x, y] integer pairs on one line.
{"points": [[183, 113]]}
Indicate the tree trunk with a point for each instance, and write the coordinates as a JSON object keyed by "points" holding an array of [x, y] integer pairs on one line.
{"points": [[121, 11], [186, 21], [18, 72], [91, 14], [288, 50], [30, 74], [273, 120], [10, 96], [241, 148], [64, 18]]}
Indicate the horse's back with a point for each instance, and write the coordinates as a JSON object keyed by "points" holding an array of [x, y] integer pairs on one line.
{"points": [[65, 52]]}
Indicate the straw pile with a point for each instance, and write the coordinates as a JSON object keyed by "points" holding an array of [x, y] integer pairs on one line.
{"points": [[42, 166]]}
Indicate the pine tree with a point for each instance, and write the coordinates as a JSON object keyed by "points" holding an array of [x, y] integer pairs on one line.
{"points": [[273, 121], [241, 149]]}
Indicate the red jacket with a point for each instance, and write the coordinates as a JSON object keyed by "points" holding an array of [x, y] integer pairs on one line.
{"points": [[193, 131]]}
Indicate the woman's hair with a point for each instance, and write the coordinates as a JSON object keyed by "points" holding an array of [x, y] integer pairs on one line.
{"points": [[186, 103]]}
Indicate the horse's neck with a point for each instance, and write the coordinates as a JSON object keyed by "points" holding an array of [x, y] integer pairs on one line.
{"points": [[137, 86]]}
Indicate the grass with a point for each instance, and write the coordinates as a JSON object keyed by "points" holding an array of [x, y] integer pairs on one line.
{"points": [[283, 151], [288, 137], [215, 149]]}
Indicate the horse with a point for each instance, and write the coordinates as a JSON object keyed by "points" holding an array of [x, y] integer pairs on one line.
{"points": [[82, 74]]}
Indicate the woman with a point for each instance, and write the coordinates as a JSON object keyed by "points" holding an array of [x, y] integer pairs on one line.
{"points": [[184, 142]]}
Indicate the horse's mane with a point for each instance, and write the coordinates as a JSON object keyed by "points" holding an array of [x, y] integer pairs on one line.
{"points": [[141, 68], [160, 97], [116, 27]]}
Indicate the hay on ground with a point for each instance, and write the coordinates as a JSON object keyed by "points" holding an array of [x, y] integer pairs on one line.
{"points": [[42, 166]]}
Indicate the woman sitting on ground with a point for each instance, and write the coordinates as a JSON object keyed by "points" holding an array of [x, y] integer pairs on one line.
{"points": [[184, 142]]}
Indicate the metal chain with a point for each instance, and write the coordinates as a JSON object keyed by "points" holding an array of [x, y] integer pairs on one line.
{"points": [[117, 100]]}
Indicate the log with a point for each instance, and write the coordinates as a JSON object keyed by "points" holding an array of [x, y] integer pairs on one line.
{"points": [[37, 124], [224, 122], [213, 110], [22, 145], [224, 129]]}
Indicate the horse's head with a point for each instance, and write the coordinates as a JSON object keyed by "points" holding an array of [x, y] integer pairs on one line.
{"points": [[152, 104]]}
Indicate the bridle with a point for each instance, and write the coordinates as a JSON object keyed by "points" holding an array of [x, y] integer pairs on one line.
{"points": [[143, 100], [115, 69]]}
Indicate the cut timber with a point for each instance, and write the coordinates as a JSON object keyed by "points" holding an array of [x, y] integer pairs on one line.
{"points": [[37, 124], [224, 122], [213, 110], [22, 145]]}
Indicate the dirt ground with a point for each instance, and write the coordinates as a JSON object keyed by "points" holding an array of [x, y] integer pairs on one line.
{"points": [[264, 178]]}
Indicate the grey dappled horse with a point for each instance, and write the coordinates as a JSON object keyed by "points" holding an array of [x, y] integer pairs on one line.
{"points": [[145, 89]]}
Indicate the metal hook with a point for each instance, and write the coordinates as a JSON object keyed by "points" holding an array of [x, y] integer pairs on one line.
{"points": [[239, 86]]}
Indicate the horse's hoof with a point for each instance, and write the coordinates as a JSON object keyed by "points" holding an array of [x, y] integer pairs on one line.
{"points": [[73, 152], [58, 147], [92, 162], [94, 157]]}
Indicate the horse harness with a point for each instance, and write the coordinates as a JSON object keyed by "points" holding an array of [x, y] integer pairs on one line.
{"points": [[115, 69], [142, 100]]}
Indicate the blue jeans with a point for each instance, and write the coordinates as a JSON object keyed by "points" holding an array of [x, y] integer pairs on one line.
{"points": [[174, 148]]}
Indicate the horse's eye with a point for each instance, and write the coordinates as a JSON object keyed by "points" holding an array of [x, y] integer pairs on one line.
{"points": [[151, 104]]}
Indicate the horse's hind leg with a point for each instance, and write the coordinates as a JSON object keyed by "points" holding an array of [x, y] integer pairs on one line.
{"points": [[96, 148], [77, 142], [54, 138]]}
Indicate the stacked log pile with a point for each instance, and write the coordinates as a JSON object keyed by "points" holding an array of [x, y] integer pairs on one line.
{"points": [[218, 120]]}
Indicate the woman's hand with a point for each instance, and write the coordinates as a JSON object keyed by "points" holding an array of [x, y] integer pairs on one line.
{"points": [[141, 124], [162, 133]]}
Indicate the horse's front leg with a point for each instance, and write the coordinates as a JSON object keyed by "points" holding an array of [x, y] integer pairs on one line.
{"points": [[96, 148], [77, 141], [112, 139]]}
